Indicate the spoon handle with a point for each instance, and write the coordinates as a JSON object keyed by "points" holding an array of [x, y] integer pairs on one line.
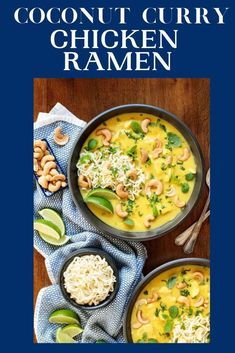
{"points": [[183, 237], [189, 246]]}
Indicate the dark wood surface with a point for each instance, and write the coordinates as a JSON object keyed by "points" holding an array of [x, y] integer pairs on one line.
{"points": [[186, 98]]}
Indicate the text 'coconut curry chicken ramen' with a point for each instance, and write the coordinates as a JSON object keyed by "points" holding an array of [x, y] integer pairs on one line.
{"points": [[136, 172], [174, 307]]}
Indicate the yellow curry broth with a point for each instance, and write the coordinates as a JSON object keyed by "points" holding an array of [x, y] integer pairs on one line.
{"points": [[158, 312], [167, 210]]}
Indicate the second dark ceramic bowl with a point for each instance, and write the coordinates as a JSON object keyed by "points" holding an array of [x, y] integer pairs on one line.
{"points": [[73, 176], [150, 277], [83, 252]]}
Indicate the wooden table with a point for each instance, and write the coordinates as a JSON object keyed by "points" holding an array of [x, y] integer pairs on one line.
{"points": [[186, 98]]}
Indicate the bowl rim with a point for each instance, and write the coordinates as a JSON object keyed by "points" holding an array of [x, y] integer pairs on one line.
{"points": [[155, 232], [82, 252], [152, 274]]}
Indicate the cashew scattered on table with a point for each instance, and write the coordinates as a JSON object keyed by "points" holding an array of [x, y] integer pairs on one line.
{"points": [[144, 155], [178, 203], [154, 184], [120, 212], [120, 191], [84, 182], [47, 158], [144, 125], [147, 220], [107, 136], [185, 155], [59, 138]]}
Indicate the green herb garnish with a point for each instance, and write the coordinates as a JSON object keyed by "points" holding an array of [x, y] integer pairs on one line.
{"points": [[173, 311], [185, 187], [189, 176], [171, 282], [184, 292], [173, 140], [132, 152]]}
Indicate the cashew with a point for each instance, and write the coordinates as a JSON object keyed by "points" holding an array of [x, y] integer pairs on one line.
{"points": [[198, 276], [41, 144], [48, 166], [140, 302], [132, 174], [185, 155], [63, 184], [181, 285], [183, 300], [46, 159], [59, 138], [43, 181], [136, 325], [144, 125], [54, 172], [84, 182], [120, 212], [168, 160], [38, 153], [147, 220], [121, 192], [158, 143], [107, 135], [54, 187], [35, 165], [56, 177], [144, 155], [39, 172], [156, 152], [200, 302], [178, 203], [154, 298], [154, 184], [171, 192], [140, 318]]}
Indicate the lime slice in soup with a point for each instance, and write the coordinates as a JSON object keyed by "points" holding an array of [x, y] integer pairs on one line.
{"points": [[72, 330], [51, 215], [47, 227], [105, 193], [62, 337], [63, 240], [100, 202], [64, 316]]}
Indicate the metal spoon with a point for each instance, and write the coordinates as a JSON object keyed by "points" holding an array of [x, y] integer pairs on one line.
{"points": [[189, 246]]}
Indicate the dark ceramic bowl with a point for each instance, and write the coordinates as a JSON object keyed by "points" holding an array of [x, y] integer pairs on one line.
{"points": [[82, 252], [147, 279], [73, 177]]}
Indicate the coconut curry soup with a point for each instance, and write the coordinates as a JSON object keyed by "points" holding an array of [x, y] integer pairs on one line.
{"points": [[174, 307], [136, 172]]}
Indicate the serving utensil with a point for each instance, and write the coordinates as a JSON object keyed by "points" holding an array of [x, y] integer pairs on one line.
{"points": [[189, 246]]}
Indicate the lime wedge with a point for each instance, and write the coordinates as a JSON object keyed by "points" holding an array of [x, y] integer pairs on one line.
{"points": [[100, 202], [51, 215], [64, 316], [72, 330], [47, 227], [63, 240], [62, 337], [106, 193]]}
